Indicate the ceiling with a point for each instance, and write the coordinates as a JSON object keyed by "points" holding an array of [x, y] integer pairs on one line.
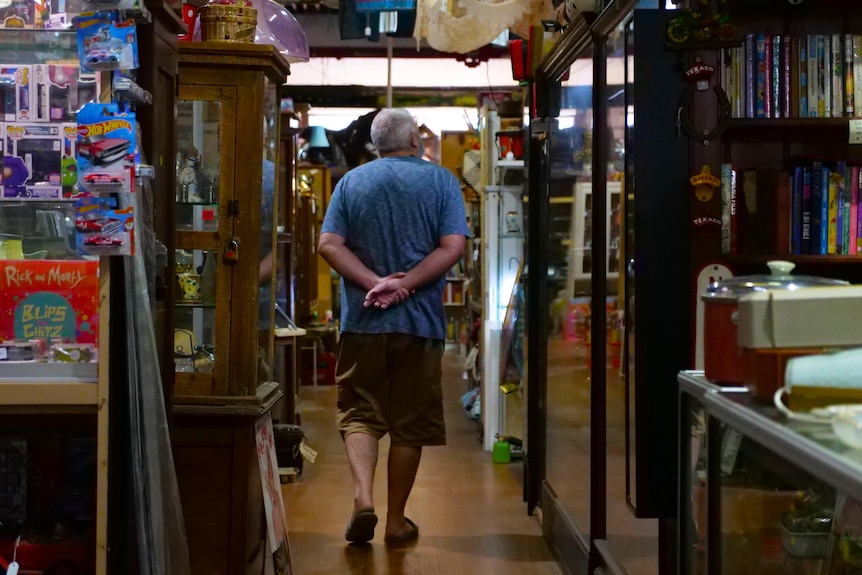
{"points": [[320, 23]]}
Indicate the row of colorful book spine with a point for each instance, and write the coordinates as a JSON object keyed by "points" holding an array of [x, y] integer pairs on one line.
{"points": [[783, 76], [824, 208], [817, 208]]}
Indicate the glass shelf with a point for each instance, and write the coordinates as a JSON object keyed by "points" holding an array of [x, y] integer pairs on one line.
{"points": [[192, 304], [215, 205], [21, 46]]}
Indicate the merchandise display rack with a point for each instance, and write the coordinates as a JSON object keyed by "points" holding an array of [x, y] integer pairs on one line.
{"points": [[57, 401]]}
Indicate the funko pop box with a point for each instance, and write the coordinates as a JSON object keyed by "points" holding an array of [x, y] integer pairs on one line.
{"points": [[32, 165]]}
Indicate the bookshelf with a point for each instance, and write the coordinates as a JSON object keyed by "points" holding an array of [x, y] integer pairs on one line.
{"points": [[792, 116]]}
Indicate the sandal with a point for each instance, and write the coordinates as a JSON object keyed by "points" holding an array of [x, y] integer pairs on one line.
{"points": [[406, 536], [360, 528]]}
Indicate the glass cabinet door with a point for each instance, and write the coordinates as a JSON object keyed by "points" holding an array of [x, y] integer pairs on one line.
{"points": [[569, 366], [203, 291], [268, 280]]}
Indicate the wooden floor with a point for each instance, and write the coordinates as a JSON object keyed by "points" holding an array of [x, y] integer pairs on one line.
{"points": [[470, 512]]}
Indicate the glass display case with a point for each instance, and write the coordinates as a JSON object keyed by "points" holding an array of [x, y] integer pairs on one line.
{"points": [[54, 316], [226, 221], [760, 493]]}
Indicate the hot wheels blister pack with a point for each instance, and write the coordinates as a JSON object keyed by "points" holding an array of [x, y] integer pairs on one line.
{"points": [[105, 43], [103, 227], [105, 147]]}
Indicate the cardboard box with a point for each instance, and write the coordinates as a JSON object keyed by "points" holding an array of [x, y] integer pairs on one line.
{"points": [[59, 91], [810, 317], [69, 161], [20, 14], [8, 93], [20, 106], [32, 161]]}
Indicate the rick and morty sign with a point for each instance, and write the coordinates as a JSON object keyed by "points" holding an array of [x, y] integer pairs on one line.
{"points": [[49, 300]]}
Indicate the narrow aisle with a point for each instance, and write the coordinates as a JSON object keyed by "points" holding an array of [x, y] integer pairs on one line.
{"points": [[470, 512]]}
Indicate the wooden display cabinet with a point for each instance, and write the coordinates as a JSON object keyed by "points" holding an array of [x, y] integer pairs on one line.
{"points": [[226, 226]]}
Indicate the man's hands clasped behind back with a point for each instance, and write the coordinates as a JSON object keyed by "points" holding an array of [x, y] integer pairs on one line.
{"points": [[388, 291]]}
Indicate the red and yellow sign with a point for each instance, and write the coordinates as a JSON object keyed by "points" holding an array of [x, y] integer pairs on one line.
{"points": [[50, 300]]}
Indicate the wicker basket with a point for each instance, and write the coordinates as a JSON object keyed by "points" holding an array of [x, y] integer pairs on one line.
{"points": [[228, 23]]}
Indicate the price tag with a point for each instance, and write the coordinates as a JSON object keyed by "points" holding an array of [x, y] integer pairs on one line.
{"points": [[4, 355], [208, 214], [856, 131]]}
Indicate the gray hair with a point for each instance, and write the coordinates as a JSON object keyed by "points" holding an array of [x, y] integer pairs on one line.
{"points": [[391, 129]]}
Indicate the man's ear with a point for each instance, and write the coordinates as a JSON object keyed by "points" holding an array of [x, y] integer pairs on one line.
{"points": [[416, 143]]}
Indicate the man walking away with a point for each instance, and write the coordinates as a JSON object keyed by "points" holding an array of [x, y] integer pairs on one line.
{"points": [[393, 228]]}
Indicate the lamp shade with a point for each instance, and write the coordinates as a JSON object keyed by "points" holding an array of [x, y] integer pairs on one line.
{"points": [[318, 138], [277, 26]]}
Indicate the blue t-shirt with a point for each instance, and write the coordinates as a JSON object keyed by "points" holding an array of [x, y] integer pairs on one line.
{"points": [[392, 213]]}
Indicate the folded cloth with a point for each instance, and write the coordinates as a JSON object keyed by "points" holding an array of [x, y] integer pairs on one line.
{"points": [[842, 370]]}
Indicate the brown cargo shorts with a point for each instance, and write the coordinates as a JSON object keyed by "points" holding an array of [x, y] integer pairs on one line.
{"points": [[391, 383]]}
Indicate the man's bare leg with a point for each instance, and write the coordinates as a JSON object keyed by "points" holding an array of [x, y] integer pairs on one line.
{"points": [[403, 464], [362, 455]]}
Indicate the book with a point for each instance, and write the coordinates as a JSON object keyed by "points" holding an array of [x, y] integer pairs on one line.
{"points": [[786, 89], [857, 75], [752, 235], [824, 94], [858, 212], [783, 213], [813, 77], [836, 215], [845, 228], [735, 219], [739, 81], [750, 82], [849, 91], [776, 67], [837, 77], [805, 240], [819, 207], [796, 211], [837, 179], [762, 84], [725, 177], [853, 180], [802, 78]]}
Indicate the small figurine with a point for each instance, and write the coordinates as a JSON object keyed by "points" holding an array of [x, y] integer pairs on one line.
{"points": [[188, 176]]}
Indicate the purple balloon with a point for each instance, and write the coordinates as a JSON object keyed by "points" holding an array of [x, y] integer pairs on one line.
{"points": [[277, 26]]}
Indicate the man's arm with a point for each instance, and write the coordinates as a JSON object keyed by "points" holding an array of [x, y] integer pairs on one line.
{"points": [[332, 248], [431, 268], [436, 264], [264, 273]]}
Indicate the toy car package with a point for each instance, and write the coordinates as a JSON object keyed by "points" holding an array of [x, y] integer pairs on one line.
{"points": [[106, 44], [103, 227], [32, 165], [106, 139]]}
